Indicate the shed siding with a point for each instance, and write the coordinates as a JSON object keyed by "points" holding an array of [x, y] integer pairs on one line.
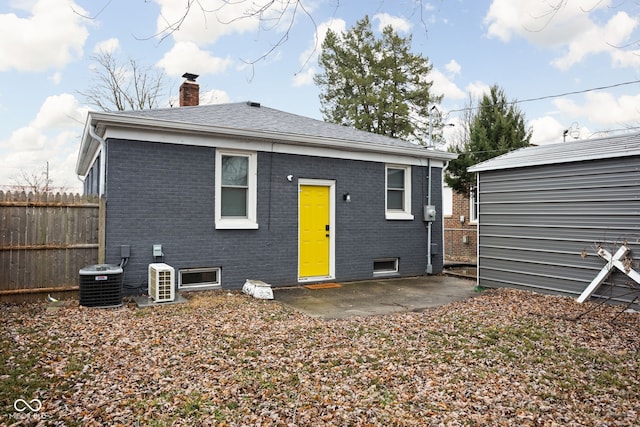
{"points": [[164, 194], [540, 226]]}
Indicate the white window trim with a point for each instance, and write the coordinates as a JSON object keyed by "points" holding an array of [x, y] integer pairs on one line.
{"points": [[250, 222], [447, 200], [473, 213], [207, 285], [405, 214], [388, 272]]}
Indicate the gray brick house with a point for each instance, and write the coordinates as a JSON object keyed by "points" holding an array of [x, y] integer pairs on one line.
{"points": [[229, 192]]}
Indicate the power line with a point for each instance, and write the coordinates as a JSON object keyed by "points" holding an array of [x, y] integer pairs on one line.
{"points": [[560, 95]]}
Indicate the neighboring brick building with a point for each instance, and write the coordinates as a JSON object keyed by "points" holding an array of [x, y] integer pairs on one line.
{"points": [[460, 228]]}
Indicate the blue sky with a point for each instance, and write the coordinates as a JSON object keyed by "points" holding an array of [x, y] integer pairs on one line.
{"points": [[526, 47]]}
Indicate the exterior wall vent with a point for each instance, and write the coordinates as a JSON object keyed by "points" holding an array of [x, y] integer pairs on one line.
{"points": [[161, 282], [385, 266], [194, 278]]}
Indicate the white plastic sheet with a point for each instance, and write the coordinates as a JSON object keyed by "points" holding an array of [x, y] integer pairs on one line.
{"points": [[257, 289]]}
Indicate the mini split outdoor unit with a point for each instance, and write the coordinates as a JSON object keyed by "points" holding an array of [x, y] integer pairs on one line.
{"points": [[162, 278]]}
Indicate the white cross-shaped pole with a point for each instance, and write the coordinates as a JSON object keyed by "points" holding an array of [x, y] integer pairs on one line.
{"points": [[612, 261]]}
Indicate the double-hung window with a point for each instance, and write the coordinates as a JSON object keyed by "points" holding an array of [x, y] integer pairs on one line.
{"points": [[236, 189], [398, 192]]}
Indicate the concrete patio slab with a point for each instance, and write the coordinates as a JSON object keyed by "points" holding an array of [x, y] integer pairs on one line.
{"points": [[374, 297]]}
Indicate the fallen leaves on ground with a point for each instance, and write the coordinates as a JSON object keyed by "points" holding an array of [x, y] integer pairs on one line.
{"points": [[506, 357]]}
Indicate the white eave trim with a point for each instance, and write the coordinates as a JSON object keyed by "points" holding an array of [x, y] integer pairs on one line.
{"points": [[500, 164]]}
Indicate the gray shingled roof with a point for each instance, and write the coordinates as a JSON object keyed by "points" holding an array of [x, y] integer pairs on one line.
{"points": [[260, 118], [565, 152]]}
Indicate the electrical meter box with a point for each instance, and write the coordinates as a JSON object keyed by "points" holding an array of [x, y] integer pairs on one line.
{"points": [[429, 213]]}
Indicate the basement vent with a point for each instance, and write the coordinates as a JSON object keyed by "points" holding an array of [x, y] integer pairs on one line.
{"points": [[385, 266], [193, 278]]}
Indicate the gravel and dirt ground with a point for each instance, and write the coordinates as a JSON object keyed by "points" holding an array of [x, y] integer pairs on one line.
{"points": [[504, 358]]}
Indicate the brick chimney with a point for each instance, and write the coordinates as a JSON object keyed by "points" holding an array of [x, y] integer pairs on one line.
{"points": [[189, 91]]}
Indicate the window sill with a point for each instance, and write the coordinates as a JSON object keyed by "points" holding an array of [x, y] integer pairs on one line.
{"points": [[236, 224], [402, 216], [193, 288]]}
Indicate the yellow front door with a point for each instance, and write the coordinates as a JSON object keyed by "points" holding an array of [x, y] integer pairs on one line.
{"points": [[315, 231]]}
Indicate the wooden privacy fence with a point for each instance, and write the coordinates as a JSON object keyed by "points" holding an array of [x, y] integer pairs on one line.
{"points": [[45, 239]]}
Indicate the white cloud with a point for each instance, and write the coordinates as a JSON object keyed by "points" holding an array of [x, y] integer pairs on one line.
{"points": [[478, 89], [59, 150], [214, 96], [546, 130], [603, 109], [399, 25], [442, 85], [304, 78], [52, 136], [567, 25], [208, 20], [311, 54], [58, 112], [187, 56], [599, 39], [542, 23], [111, 45], [626, 58], [453, 67], [56, 77], [429, 7], [51, 36]]}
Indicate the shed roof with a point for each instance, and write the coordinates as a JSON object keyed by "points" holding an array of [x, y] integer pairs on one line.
{"points": [[565, 152], [251, 120]]}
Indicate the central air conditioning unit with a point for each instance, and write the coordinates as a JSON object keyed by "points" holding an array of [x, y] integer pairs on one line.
{"points": [[162, 278], [100, 285]]}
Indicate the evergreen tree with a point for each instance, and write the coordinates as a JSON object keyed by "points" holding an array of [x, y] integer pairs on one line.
{"points": [[496, 128], [374, 84]]}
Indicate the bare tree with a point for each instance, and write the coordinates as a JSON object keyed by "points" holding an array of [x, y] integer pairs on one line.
{"points": [[34, 181], [462, 135], [127, 86], [553, 8], [270, 14]]}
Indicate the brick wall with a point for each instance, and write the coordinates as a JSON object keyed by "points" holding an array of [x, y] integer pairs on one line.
{"points": [[164, 194], [460, 237]]}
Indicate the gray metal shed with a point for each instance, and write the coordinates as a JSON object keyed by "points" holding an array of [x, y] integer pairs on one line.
{"points": [[544, 212]]}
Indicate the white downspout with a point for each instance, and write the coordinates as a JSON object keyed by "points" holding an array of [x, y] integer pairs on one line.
{"points": [[103, 160], [429, 265], [429, 269]]}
